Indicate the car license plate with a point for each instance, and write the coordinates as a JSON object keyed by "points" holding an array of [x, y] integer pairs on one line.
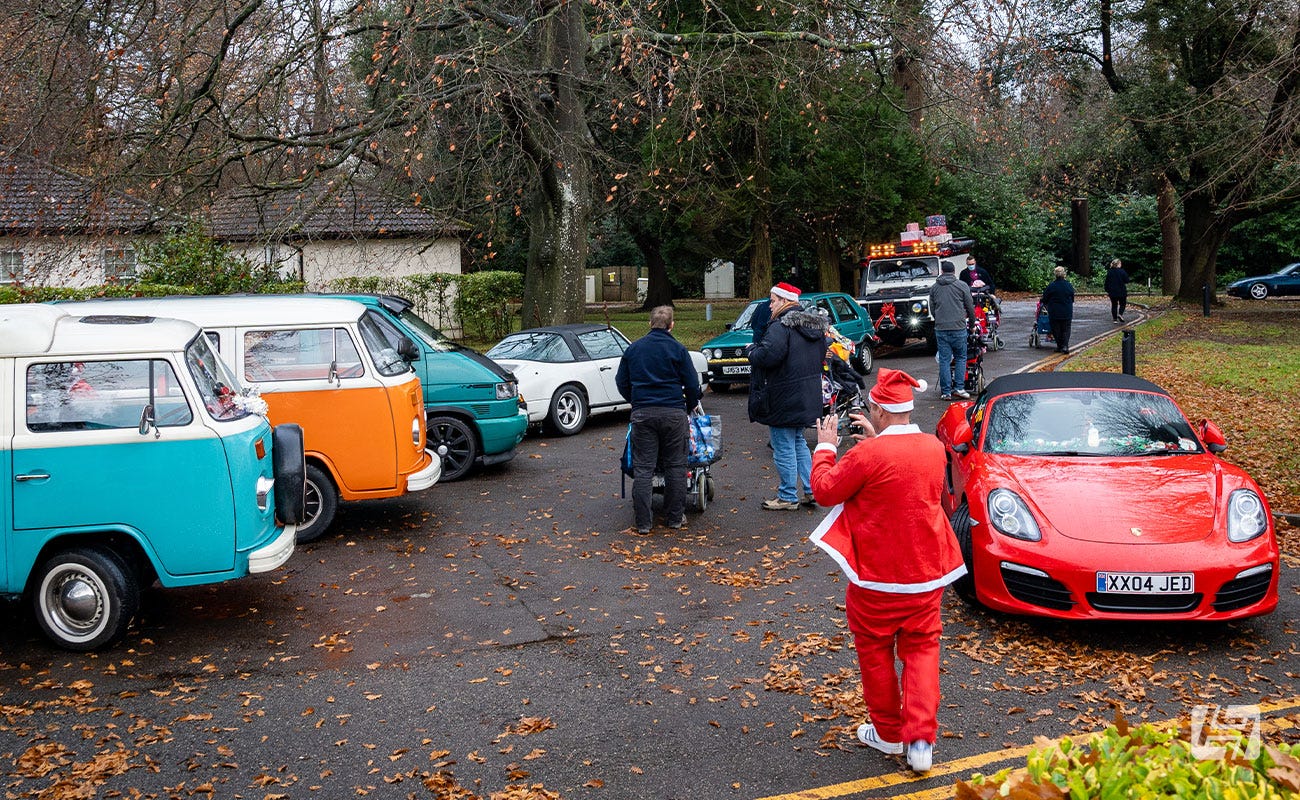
{"points": [[741, 369], [1146, 582]]}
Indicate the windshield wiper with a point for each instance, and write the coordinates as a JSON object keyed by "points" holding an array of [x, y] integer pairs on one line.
{"points": [[1068, 453]]}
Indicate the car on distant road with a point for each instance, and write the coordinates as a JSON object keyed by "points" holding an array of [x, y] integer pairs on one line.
{"points": [[1284, 281], [1090, 495], [728, 364], [566, 372]]}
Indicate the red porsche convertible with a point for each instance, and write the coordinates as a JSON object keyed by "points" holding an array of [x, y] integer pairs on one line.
{"points": [[1090, 496]]}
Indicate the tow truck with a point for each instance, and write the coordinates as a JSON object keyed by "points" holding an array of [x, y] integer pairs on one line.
{"points": [[893, 285]]}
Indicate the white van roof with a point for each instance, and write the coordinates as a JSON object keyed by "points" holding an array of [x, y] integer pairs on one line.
{"points": [[224, 311], [35, 329]]}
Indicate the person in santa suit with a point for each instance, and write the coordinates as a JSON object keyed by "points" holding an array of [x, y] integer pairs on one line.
{"points": [[889, 534]]}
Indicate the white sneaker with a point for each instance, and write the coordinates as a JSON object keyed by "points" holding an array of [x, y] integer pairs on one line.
{"points": [[962, 393], [867, 735], [920, 755]]}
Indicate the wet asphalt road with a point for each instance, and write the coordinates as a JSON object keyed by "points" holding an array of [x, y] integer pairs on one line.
{"points": [[504, 636]]}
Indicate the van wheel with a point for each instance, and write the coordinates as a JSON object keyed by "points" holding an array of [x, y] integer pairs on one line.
{"points": [[85, 598], [321, 501], [568, 412], [454, 442]]}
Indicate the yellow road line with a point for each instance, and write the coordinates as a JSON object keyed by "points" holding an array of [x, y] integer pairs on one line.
{"points": [[974, 762]]}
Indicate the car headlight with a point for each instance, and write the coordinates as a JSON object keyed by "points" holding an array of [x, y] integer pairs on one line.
{"points": [[1010, 516], [1246, 518], [711, 354], [415, 431], [507, 390], [916, 307]]}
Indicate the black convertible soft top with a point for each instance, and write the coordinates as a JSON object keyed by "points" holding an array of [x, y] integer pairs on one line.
{"points": [[1038, 381]]}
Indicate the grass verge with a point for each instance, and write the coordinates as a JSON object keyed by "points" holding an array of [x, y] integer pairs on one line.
{"points": [[1239, 367]]}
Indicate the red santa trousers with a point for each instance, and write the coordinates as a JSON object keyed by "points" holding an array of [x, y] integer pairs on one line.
{"points": [[906, 710]]}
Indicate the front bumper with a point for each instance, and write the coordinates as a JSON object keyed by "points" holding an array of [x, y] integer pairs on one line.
{"points": [[426, 477], [1025, 578], [501, 436], [274, 553]]}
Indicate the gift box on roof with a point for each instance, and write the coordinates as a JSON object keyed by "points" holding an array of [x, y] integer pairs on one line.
{"points": [[912, 226], [936, 220], [909, 236], [935, 230]]}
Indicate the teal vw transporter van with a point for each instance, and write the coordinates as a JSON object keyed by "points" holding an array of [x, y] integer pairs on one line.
{"points": [[131, 455], [475, 415]]}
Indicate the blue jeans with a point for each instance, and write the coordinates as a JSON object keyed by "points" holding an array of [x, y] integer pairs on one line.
{"points": [[952, 345], [793, 461]]}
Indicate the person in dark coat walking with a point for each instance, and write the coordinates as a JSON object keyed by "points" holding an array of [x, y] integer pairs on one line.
{"points": [[789, 399], [1117, 290], [1058, 297], [656, 376]]}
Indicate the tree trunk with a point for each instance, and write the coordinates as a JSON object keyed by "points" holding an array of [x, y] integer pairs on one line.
{"points": [[908, 72], [760, 255], [659, 289], [1204, 233], [560, 214], [828, 256], [1170, 244], [760, 258]]}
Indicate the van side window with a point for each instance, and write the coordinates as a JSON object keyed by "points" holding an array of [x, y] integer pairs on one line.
{"points": [[300, 355], [103, 395]]}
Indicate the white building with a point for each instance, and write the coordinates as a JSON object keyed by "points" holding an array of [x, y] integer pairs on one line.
{"points": [[318, 234], [59, 229]]}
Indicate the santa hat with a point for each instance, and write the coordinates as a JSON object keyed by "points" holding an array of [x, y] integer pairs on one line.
{"points": [[787, 291], [893, 390]]}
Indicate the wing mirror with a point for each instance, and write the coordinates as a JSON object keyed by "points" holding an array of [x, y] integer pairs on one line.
{"points": [[1212, 436], [148, 423], [962, 436], [408, 351]]}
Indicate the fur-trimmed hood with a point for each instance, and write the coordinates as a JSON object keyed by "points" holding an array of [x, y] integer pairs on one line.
{"points": [[811, 325]]}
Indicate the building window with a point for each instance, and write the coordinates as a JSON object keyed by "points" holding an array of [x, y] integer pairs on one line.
{"points": [[119, 265], [11, 266]]}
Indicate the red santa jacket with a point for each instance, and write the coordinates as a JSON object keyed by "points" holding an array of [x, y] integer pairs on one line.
{"points": [[887, 530]]}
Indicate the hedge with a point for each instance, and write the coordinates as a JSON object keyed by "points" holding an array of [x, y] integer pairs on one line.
{"points": [[45, 294]]}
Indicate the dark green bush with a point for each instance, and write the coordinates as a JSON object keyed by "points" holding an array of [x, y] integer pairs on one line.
{"points": [[483, 303], [190, 257]]}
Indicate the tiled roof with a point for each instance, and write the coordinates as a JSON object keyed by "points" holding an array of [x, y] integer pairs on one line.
{"points": [[329, 212], [37, 197]]}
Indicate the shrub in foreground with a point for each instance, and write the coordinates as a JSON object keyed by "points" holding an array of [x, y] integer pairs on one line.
{"points": [[1144, 762]]}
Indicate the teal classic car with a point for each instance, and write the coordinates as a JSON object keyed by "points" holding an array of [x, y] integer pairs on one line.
{"points": [[728, 364], [476, 415]]}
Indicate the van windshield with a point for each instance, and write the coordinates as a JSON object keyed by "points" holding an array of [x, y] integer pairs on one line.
{"points": [[384, 341], [434, 338], [222, 395]]}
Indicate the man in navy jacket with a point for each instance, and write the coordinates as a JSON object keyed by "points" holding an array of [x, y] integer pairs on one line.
{"points": [[656, 376]]}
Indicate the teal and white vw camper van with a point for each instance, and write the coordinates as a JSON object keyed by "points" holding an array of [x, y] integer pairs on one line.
{"points": [[132, 456]]}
